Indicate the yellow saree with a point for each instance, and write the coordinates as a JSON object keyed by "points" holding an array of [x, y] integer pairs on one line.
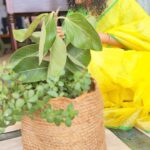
{"points": [[124, 75]]}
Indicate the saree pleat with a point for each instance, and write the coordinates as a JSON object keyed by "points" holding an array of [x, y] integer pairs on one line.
{"points": [[123, 75]]}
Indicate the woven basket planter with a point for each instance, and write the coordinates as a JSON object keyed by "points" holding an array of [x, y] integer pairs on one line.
{"points": [[86, 132]]}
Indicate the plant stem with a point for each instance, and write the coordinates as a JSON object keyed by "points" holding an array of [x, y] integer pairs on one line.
{"points": [[61, 17]]}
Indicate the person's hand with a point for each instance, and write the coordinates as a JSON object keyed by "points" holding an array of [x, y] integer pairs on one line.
{"points": [[60, 32], [107, 39], [79, 1], [104, 38]]}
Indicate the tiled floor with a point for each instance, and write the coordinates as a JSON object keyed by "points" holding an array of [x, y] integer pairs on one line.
{"points": [[12, 144]]}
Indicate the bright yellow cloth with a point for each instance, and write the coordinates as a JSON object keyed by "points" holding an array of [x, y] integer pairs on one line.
{"points": [[124, 75]]}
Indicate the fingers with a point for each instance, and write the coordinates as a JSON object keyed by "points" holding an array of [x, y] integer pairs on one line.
{"points": [[59, 28], [61, 35], [79, 1], [60, 32]]}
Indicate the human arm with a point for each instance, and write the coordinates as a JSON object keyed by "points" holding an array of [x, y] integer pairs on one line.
{"points": [[107, 39]]}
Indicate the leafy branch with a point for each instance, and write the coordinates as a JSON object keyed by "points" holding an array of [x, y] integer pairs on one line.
{"points": [[27, 86], [80, 35]]}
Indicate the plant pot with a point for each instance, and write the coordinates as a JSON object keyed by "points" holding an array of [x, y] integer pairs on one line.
{"points": [[86, 132]]}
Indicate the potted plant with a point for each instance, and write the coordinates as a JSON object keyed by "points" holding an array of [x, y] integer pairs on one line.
{"points": [[47, 86]]}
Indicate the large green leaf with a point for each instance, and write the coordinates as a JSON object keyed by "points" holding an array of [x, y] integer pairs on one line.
{"points": [[80, 32], [82, 56], [58, 56], [19, 34], [23, 34], [23, 52], [48, 35], [78, 59], [30, 69], [35, 37], [75, 61], [92, 20], [72, 67]]}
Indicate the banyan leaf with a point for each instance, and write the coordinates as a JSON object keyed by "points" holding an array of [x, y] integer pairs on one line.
{"points": [[82, 56], [23, 52], [48, 35], [23, 34], [19, 35], [30, 69], [80, 32], [72, 67], [92, 20], [75, 61], [58, 56], [35, 37]]}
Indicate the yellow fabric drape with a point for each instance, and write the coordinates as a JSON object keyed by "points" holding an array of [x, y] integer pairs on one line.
{"points": [[124, 75]]}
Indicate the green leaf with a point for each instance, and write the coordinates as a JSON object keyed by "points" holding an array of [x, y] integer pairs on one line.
{"points": [[7, 112], [68, 122], [79, 57], [20, 103], [23, 52], [25, 95], [75, 61], [40, 104], [16, 95], [72, 67], [19, 35], [48, 35], [50, 119], [77, 87], [92, 20], [29, 105], [73, 113], [52, 93], [2, 130], [81, 33], [33, 99], [17, 117], [31, 93], [57, 120], [28, 87], [83, 56], [23, 34], [6, 77], [35, 37], [30, 68], [70, 107], [58, 58]]}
